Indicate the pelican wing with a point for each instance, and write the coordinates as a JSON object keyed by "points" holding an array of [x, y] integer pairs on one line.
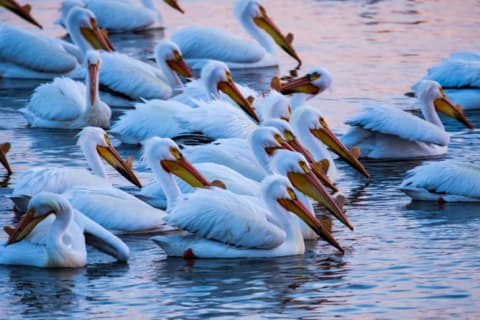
{"points": [[447, 177], [24, 253], [33, 51], [154, 118], [209, 43], [223, 216], [397, 123], [61, 100], [133, 78], [218, 120], [115, 209]]}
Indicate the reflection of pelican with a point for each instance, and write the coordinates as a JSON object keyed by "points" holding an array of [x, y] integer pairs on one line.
{"points": [[38, 241], [449, 181], [21, 11], [199, 44], [4, 148], [388, 133], [459, 75], [120, 15], [65, 103], [95, 144]]}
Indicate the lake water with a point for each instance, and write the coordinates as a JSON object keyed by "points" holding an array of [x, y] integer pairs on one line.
{"points": [[404, 260]]}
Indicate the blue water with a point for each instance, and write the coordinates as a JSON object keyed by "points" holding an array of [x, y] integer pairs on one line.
{"points": [[404, 260]]}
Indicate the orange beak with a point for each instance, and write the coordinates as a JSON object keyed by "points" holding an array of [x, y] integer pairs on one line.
{"points": [[115, 160], [445, 106], [180, 67], [174, 4], [93, 76], [185, 171], [300, 85], [97, 37], [4, 148], [231, 90], [21, 11], [25, 226]]}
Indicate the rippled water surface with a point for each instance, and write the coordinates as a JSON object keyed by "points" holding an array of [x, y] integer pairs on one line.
{"points": [[404, 260]]}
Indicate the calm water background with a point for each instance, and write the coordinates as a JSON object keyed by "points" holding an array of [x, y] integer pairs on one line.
{"points": [[404, 260]]}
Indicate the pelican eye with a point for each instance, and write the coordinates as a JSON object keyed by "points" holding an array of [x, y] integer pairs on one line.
{"points": [[176, 153], [288, 135], [304, 166], [291, 193], [314, 76], [176, 55]]}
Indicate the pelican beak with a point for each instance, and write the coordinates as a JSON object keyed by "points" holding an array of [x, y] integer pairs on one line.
{"points": [[21, 11], [325, 135], [230, 89], [93, 69], [183, 169], [4, 148], [112, 157], [445, 106], [179, 66], [174, 4], [281, 144], [25, 226], [97, 38], [308, 184], [264, 22], [300, 85]]}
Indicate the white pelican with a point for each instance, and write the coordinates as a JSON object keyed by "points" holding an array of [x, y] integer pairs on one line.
{"points": [[389, 133], [95, 144], [312, 130], [199, 44], [69, 104], [40, 240], [306, 87], [459, 75], [445, 181], [143, 122], [120, 15], [4, 148], [221, 215], [22, 11]]}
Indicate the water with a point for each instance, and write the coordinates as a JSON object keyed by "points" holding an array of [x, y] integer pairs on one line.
{"points": [[404, 260]]}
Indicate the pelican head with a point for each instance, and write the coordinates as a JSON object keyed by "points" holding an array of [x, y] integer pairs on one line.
{"points": [[94, 138], [174, 4], [312, 119], [82, 27], [294, 166], [429, 90], [313, 83], [21, 11], [275, 106], [279, 189], [289, 136], [252, 10], [39, 207], [4, 148], [168, 51], [217, 77], [93, 61], [172, 161]]}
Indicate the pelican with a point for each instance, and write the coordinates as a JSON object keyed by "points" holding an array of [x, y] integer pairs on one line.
{"points": [[69, 104], [120, 15], [22, 11], [95, 144], [198, 46], [215, 213], [445, 181], [143, 122], [52, 235], [459, 75], [313, 131], [4, 148], [392, 134]]}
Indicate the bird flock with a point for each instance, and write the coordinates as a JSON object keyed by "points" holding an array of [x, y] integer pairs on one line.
{"points": [[251, 191]]}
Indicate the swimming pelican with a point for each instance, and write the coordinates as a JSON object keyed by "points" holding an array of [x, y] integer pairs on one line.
{"points": [[200, 44], [24, 54], [44, 241], [69, 104], [21, 11], [120, 15], [445, 181], [459, 75], [221, 215], [95, 144], [313, 131], [389, 133], [4, 148], [143, 122]]}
